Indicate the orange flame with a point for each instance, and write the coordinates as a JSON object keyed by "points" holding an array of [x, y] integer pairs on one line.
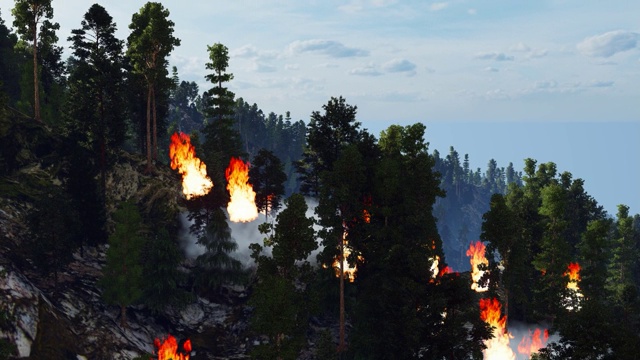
{"points": [[349, 271], [476, 257], [498, 346], [168, 349], [242, 207], [195, 181], [534, 342], [573, 272]]}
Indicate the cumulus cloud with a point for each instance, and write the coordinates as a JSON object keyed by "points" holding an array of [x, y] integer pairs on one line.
{"points": [[330, 48], [368, 70], [609, 43], [494, 56], [400, 66], [438, 6]]}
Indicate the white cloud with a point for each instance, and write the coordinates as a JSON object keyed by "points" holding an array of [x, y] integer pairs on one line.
{"points": [[609, 43], [472, 11], [537, 53], [330, 48], [494, 56], [292, 66], [491, 69], [261, 67], [400, 65], [367, 70], [438, 6], [245, 51], [520, 47]]}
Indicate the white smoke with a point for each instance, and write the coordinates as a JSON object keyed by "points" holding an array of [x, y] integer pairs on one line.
{"points": [[243, 234]]}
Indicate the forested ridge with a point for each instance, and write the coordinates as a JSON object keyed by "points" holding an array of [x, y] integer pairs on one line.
{"points": [[392, 223]]}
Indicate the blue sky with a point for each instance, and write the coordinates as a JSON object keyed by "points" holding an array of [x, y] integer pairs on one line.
{"points": [[562, 76]]}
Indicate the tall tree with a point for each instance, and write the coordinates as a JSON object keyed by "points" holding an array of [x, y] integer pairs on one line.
{"points": [[149, 44], [122, 279], [281, 296], [327, 134], [31, 20], [267, 177], [96, 87]]}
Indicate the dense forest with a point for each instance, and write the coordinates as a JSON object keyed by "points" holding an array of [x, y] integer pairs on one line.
{"points": [[387, 208]]}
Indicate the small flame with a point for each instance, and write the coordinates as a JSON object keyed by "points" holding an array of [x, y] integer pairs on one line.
{"points": [[366, 216], [534, 342], [573, 272], [476, 257], [242, 207], [168, 349], [498, 346], [349, 271], [195, 181]]}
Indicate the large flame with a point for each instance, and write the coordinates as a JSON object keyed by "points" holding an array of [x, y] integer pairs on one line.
{"points": [[242, 206], [534, 342], [195, 181], [168, 349], [476, 257], [498, 346]]}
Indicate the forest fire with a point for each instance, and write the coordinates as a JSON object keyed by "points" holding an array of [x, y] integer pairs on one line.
{"points": [[573, 272], [534, 342], [182, 153], [349, 271], [242, 206], [168, 349], [476, 258], [498, 346]]}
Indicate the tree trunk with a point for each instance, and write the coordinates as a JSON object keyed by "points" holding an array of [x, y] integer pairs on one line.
{"points": [[341, 343], [149, 166], [123, 316], [155, 127], [36, 92]]}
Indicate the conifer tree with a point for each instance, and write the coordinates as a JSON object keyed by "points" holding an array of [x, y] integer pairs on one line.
{"points": [[122, 275]]}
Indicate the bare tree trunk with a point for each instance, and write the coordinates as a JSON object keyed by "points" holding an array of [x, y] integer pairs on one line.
{"points": [[36, 92], [149, 166]]}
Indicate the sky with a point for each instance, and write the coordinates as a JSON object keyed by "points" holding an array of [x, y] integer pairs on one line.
{"points": [[554, 80]]}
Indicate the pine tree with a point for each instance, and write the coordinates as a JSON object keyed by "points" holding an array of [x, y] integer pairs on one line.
{"points": [[122, 275]]}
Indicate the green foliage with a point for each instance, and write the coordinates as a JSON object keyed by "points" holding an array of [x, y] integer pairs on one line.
{"points": [[219, 100], [122, 275], [53, 227], [7, 349], [31, 22], [94, 110], [280, 297], [149, 44], [161, 287], [267, 177], [216, 266]]}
